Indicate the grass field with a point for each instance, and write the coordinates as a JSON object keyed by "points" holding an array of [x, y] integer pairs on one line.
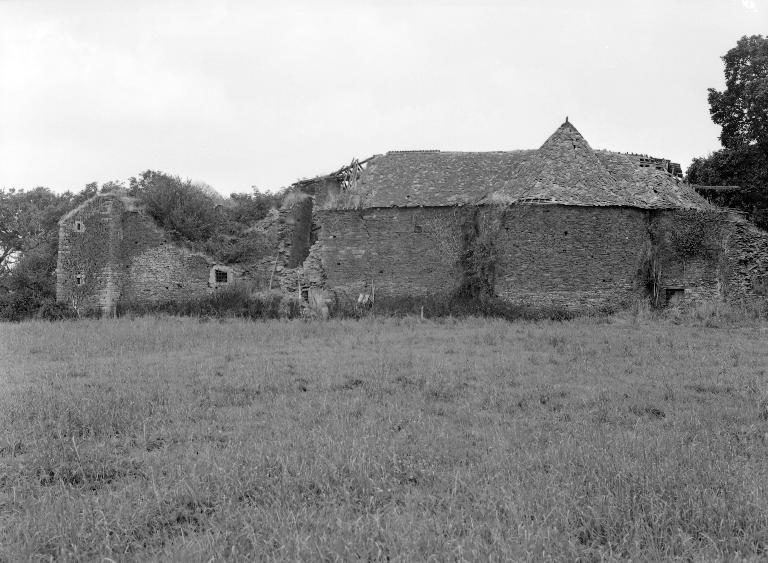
{"points": [[390, 439]]}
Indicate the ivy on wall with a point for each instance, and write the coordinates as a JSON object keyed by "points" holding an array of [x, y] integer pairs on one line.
{"points": [[674, 240], [478, 256], [696, 235]]}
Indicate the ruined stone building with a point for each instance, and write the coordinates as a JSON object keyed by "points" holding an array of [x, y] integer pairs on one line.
{"points": [[559, 225]]}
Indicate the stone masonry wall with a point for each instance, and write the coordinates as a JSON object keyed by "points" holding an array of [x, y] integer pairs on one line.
{"points": [[88, 247], [744, 264], [156, 269], [574, 257], [581, 258], [397, 251], [689, 246], [120, 254]]}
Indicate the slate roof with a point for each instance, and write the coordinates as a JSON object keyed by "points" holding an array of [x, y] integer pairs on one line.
{"points": [[564, 170]]}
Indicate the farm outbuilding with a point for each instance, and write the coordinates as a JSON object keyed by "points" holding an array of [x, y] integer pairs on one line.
{"points": [[561, 225]]}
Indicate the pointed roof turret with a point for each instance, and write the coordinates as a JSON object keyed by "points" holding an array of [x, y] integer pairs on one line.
{"points": [[564, 170]]}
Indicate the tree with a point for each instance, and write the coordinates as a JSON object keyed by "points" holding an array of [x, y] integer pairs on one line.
{"points": [[742, 108], [29, 235], [179, 206], [28, 220], [250, 208]]}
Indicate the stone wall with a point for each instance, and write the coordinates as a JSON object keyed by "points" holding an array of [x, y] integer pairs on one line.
{"points": [[89, 243], [575, 257], [572, 256], [156, 269], [744, 264], [399, 251], [118, 253], [581, 258], [689, 247]]}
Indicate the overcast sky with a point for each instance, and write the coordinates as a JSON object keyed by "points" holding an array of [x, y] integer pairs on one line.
{"points": [[241, 94]]}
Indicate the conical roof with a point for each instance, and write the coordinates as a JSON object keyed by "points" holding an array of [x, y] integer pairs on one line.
{"points": [[564, 170]]}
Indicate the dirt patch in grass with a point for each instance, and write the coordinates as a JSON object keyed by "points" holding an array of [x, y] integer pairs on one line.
{"points": [[647, 411]]}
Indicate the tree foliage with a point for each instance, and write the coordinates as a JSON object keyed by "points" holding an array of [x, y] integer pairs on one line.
{"points": [[180, 207], [28, 220], [29, 245], [196, 213], [741, 110]]}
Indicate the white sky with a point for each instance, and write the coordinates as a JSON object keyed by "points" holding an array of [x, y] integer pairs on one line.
{"points": [[241, 94]]}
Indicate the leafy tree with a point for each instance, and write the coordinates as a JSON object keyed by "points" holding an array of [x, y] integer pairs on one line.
{"points": [[742, 108], [247, 209], [742, 112], [196, 213], [30, 284], [181, 207], [28, 246], [28, 220]]}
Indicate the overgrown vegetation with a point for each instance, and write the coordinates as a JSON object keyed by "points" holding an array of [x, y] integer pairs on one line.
{"points": [[171, 439], [477, 260], [697, 236], [235, 301], [196, 214], [649, 274], [191, 212], [29, 235]]}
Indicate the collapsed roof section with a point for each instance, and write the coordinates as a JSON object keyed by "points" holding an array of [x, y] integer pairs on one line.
{"points": [[564, 170]]}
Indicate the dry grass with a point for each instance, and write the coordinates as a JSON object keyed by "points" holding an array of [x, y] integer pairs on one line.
{"points": [[173, 439]]}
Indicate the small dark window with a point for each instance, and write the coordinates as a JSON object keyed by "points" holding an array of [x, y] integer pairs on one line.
{"points": [[566, 233], [221, 276], [79, 279], [674, 295], [417, 228], [79, 226]]}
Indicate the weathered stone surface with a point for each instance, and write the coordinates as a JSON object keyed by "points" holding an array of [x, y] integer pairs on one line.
{"points": [[119, 253], [561, 225], [744, 264], [578, 257], [395, 251], [88, 274]]}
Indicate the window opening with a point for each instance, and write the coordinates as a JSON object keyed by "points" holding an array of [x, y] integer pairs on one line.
{"points": [[674, 295], [221, 276], [79, 226], [79, 279]]}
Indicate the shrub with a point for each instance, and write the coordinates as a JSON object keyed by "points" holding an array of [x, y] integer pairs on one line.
{"points": [[53, 311], [181, 207], [234, 301]]}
